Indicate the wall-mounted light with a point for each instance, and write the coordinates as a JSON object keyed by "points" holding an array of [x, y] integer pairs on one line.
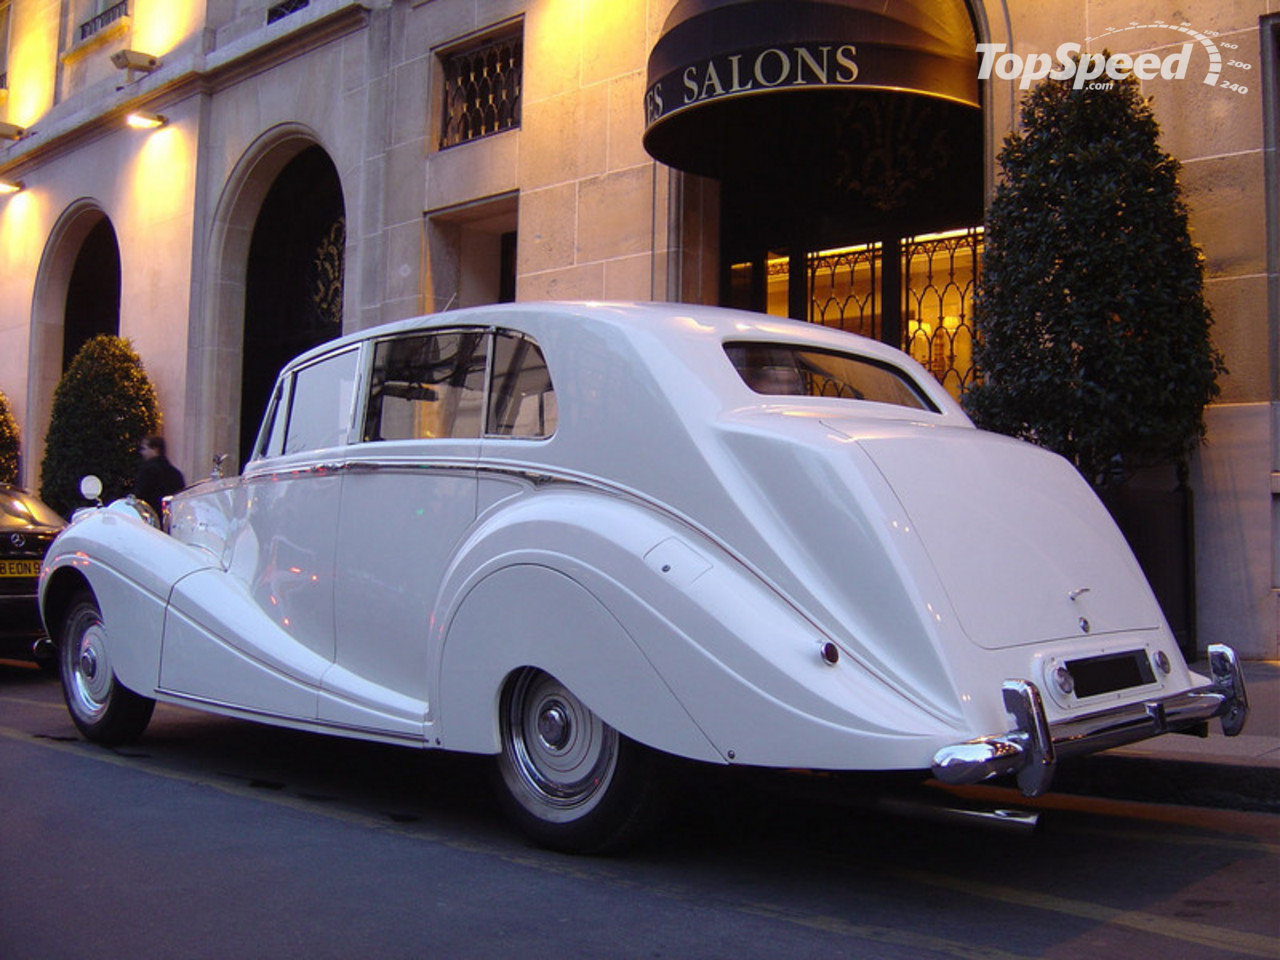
{"points": [[10, 186], [134, 60], [142, 120], [10, 131]]}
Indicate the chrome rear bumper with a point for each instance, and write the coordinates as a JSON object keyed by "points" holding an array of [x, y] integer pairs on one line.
{"points": [[1032, 748]]}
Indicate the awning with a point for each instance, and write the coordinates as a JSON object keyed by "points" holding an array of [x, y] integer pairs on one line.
{"points": [[729, 73]]}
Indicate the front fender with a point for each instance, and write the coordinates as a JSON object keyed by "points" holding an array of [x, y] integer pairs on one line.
{"points": [[131, 568]]}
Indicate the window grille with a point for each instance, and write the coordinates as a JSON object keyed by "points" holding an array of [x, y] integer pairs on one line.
{"points": [[941, 273], [844, 289], [103, 18], [482, 90], [281, 10]]}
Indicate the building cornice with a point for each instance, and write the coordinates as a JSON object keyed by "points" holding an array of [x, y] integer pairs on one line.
{"points": [[184, 77]]}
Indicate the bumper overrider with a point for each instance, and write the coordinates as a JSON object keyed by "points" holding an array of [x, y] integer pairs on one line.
{"points": [[1032, 748]]}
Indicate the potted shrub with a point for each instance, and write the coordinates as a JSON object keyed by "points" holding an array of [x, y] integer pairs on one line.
{"points": [[8, 443], [103, 406], [1093, 326]]}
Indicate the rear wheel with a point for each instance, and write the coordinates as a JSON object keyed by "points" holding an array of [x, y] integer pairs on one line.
{"points": [[568, 779], [102, 709]]}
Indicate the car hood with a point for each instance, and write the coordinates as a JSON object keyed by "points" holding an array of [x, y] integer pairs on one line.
{"points": [[1024, 549]]}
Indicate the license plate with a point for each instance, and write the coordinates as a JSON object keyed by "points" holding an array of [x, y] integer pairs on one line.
{"points": [[19, 568], [1111, 672]]}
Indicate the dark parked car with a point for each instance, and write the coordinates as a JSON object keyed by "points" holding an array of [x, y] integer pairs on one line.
{"points": [[27, 527]]}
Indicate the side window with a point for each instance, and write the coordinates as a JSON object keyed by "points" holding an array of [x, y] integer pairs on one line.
{"points": [[522, 401], [271, 436], [320, 410], [427, 385]]}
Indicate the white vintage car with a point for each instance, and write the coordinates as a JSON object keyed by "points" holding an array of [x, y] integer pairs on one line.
{"points": [[584, 537]]}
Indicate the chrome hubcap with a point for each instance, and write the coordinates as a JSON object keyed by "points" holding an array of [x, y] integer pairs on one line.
{"points": [[558, 756], [86, 667], [553, 726]]}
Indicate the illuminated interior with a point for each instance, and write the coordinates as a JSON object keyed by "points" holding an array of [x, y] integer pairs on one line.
{"points": [[939, 272]]}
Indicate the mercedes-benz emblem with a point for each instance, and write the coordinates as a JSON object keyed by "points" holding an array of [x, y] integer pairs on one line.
{"points": [[18, 540]]}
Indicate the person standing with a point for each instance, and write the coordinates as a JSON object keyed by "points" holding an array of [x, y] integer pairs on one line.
{"points": [[156, 478]]}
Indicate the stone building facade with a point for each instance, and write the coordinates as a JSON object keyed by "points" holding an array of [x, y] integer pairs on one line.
{"points": [[325, 165]]}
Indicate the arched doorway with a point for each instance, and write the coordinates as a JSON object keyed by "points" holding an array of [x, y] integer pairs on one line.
{"points": [[93, 291], [226, 337], [76, 296], [846, 138], [294, 278]]}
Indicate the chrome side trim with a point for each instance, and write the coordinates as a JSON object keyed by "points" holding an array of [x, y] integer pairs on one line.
{"points": [[1032, 748], [296, 723]]}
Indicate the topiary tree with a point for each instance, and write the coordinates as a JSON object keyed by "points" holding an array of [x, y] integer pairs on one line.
{"points": [[8, 443], [103, 406], [1093, 328]]}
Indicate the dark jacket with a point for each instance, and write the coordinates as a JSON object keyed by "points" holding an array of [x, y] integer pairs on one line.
{"points": [[156, 479]]}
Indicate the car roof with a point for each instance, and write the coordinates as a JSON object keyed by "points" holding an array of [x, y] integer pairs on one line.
{"points": [[633, 320]]}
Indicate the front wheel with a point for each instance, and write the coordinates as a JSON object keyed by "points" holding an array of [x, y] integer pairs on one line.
{"points": [[569, 780], [102, 709]]}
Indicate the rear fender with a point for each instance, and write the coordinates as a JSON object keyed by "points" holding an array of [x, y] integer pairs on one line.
{"points": [[663, 635], [528, 614]]}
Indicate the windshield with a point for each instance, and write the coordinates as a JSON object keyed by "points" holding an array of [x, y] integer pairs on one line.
{"points": [[790, 370], [18, 510]]}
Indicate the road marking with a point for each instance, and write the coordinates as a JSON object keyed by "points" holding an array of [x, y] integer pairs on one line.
{"points": [[1237, 942], [48, 704], [1141, 836], [1264, 826]]}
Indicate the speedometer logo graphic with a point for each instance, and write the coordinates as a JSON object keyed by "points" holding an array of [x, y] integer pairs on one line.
{"points": [[1224, 70]]}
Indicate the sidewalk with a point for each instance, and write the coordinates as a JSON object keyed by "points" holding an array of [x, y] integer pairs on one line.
{"points": [[1241, 773], [1257, 745]]}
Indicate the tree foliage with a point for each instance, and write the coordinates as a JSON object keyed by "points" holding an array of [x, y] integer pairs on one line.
{"points": [[103, 406], [9, 447], [1094, 331]]}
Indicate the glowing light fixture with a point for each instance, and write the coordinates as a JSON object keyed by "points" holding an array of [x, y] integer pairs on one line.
{"points": [[11, 131], [10, 186], [142, 120]]}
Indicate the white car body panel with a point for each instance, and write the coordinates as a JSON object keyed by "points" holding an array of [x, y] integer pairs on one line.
{"points": [[785, 581]]}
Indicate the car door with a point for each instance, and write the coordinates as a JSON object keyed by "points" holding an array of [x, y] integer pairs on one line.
{"points": [[259, 634], [408, 498]]}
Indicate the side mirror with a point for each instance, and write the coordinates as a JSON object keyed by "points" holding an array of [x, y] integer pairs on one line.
{"points": [[91, 488]]}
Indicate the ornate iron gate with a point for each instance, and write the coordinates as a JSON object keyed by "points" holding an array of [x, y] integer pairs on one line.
{"points": [[932, 318]]}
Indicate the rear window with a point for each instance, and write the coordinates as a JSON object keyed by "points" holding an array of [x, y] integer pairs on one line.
{"points": [[790, 370]]}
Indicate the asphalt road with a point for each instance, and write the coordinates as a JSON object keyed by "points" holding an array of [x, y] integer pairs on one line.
{"points": [[223, 839]]}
